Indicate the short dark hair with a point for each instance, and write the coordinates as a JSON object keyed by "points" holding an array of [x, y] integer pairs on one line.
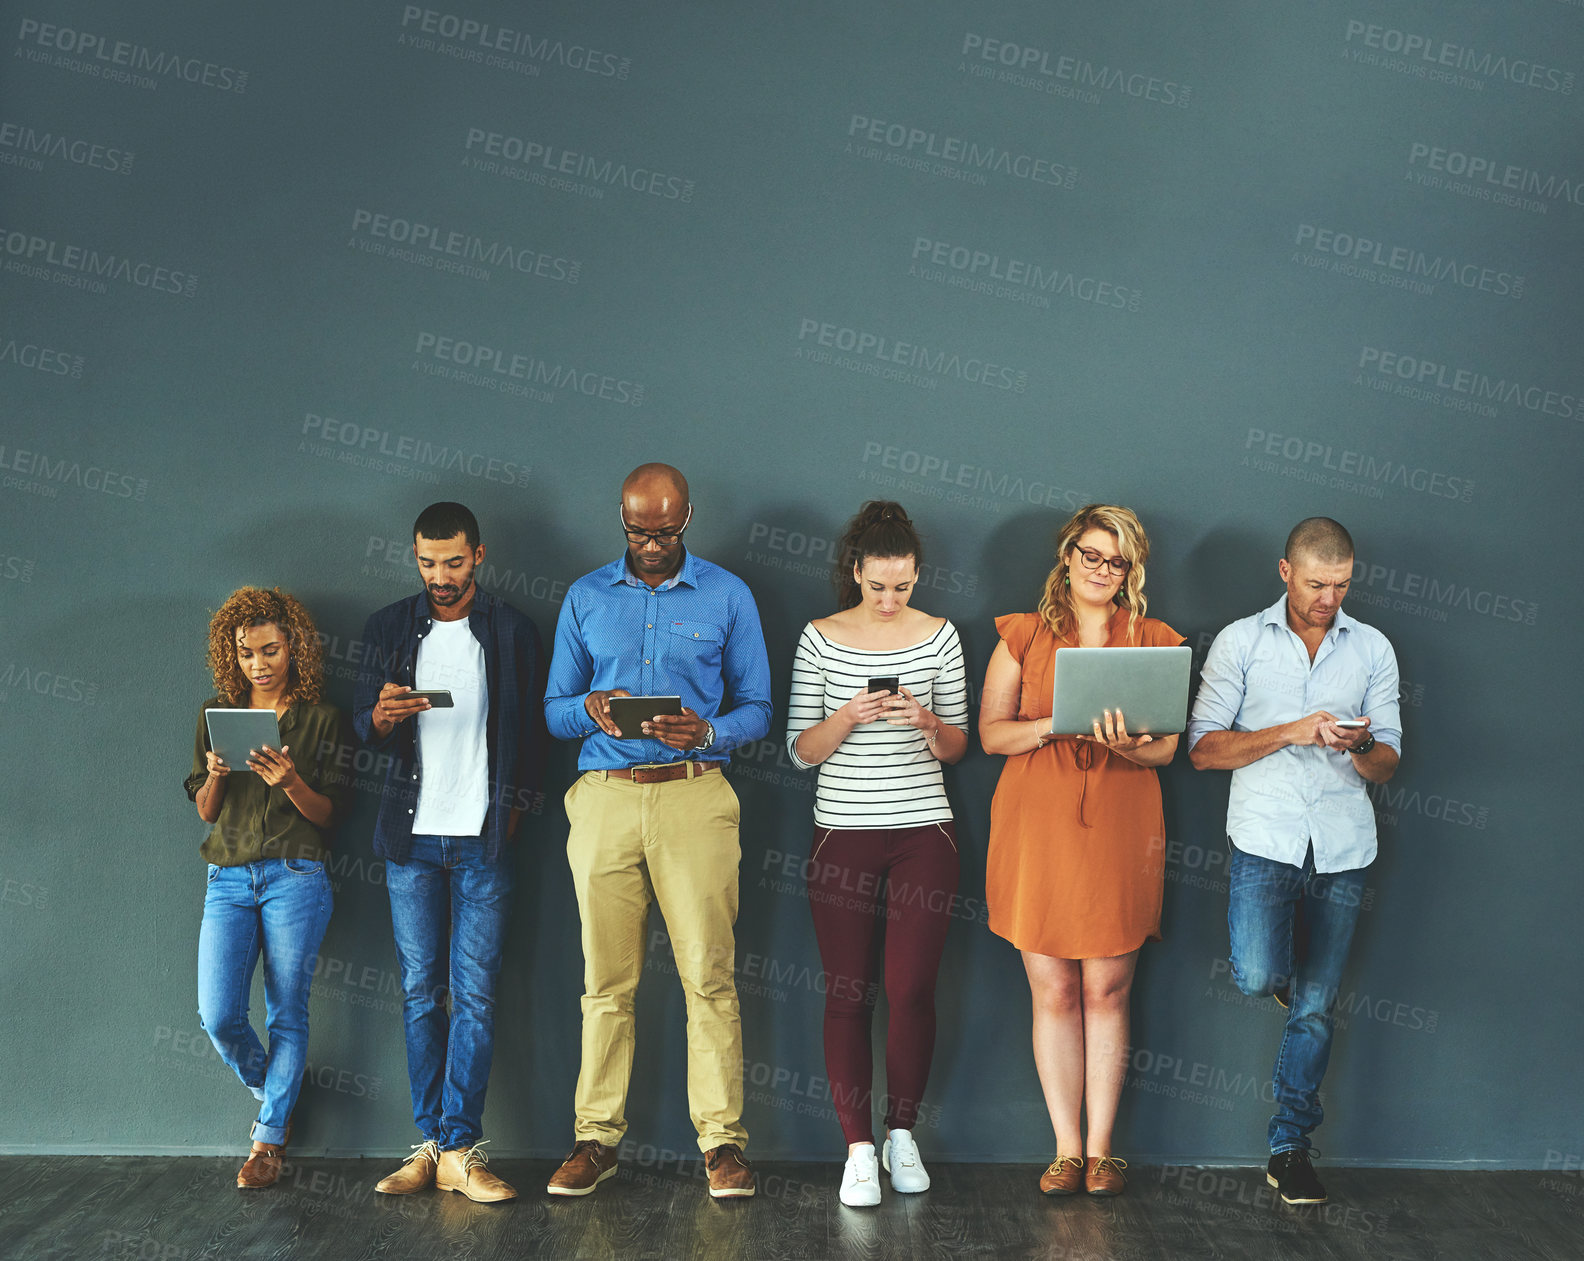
{"points": [[446, 521], [1320, 538]]}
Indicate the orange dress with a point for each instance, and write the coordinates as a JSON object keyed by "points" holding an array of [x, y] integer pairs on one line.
{"points": [[1077, 855]]}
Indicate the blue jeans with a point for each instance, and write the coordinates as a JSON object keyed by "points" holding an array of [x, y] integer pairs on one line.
{"points": [[1291, 930], [281, 906], [448, 911]]}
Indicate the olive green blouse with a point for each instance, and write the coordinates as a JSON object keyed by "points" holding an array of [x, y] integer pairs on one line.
{"points": [[257, 821]]}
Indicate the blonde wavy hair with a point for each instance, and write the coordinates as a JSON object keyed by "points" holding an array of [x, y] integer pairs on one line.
{"points": [[1056, 603], [254, 606]]}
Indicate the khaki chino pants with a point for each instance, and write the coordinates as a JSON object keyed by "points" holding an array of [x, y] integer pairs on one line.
{"points": [[676, 844]]}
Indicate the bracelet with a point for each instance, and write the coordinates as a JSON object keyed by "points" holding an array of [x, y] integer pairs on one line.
{"points": [[930, 740], [1359, 749]]}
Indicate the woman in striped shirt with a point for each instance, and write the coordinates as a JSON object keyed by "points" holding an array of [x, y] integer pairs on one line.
{"points": [[879, 701]]}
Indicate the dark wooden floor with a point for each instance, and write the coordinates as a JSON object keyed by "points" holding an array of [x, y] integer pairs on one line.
{"points": [[170, 1209]]}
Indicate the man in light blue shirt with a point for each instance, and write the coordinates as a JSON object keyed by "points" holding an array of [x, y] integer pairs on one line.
{"points": [[654, 819], [1299, 702]]}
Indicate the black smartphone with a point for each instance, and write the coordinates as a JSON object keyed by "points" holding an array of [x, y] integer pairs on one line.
{"points": [[439, 698], [886, 683]]}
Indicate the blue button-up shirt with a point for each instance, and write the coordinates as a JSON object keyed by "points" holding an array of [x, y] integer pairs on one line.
{"points": [[696, 635], [1257, 675], [514, 683]]}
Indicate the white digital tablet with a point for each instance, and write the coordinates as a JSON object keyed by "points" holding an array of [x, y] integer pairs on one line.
{"points": [[235, 733], [1149, 686]]}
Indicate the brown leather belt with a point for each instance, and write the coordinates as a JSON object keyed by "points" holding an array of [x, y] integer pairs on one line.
{"points": [[663, 773]]}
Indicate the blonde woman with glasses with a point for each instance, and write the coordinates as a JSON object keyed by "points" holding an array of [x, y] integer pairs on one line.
{"points": [[1076, 859]]}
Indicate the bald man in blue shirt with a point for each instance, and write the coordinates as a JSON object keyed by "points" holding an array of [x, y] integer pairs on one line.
{"points": [[654, 819]]}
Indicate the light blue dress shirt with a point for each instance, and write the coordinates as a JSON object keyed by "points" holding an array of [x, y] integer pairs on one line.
{"points": [[1257, 675], [697, 635]]}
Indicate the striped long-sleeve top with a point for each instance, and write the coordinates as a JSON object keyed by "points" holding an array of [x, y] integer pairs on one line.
{"points": [[881, 776]]}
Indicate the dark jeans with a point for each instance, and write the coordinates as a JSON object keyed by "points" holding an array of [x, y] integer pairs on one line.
{"points": [[448, 912], [1291, 930], [912, 872]]}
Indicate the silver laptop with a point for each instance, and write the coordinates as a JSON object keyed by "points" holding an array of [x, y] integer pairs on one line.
{"points": [[1149, 686]]}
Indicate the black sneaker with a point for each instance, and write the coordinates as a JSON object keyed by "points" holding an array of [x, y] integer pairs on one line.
{"points": [[1294, 1178]]}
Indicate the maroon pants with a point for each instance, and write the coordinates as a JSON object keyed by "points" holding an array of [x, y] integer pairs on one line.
{"points": [[872, 889]]}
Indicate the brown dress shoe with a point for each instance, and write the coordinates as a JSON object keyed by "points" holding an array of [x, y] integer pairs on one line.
{"points": [[729, 1173], [465, 1169], [589, 1164], [416, 1173], [263, 1166], [1064, 1177], [1103, 1175]]}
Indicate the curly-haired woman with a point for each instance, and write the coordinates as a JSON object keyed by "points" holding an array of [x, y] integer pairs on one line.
{"points": [[272, 823], [1076, 861]]}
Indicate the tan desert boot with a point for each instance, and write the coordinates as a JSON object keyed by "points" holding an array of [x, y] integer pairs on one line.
{"points": [[416, 1173], [464, 1170]]}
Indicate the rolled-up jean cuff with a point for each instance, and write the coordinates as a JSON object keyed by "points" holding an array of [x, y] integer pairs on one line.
{"points": [[267, 1134]]}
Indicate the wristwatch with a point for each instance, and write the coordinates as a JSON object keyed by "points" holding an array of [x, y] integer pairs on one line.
{"points": [[709, 736], [1368, 744]]}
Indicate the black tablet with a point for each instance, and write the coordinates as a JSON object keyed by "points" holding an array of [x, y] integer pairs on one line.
{"points": [[631, 712]]}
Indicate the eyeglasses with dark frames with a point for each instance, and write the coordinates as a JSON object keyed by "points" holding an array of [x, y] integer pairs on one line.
{"points": [[1093, 560], [660, 538]]}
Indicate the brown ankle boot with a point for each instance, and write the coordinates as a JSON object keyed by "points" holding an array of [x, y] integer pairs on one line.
{"points": [[263, 1166]]}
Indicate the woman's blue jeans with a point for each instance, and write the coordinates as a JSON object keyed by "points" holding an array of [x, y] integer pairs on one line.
{"points": [[280, 907], [1291, 929]]}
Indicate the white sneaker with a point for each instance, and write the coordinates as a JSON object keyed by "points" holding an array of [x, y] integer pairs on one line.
{"points": [[902, 1162], [860, 1186]]}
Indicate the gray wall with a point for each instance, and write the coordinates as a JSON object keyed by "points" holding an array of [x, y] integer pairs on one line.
{"points": [[1218, 264]]}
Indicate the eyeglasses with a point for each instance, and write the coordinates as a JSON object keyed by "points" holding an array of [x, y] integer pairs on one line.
{"points": [[662, 538], [1093, 560]]}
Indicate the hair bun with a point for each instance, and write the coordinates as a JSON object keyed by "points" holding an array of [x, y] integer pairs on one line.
{"points": [[877, 510]]}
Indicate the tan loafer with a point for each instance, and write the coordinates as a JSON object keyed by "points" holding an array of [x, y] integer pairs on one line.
{"points": [[730, 1174], [1064, 1177], [262, 1168], [1103, 1175], [416, 1173], [465, 1169], [588, 1164]]}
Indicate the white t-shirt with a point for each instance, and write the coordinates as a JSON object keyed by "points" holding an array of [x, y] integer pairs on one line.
{"points": [[453, 744]]}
